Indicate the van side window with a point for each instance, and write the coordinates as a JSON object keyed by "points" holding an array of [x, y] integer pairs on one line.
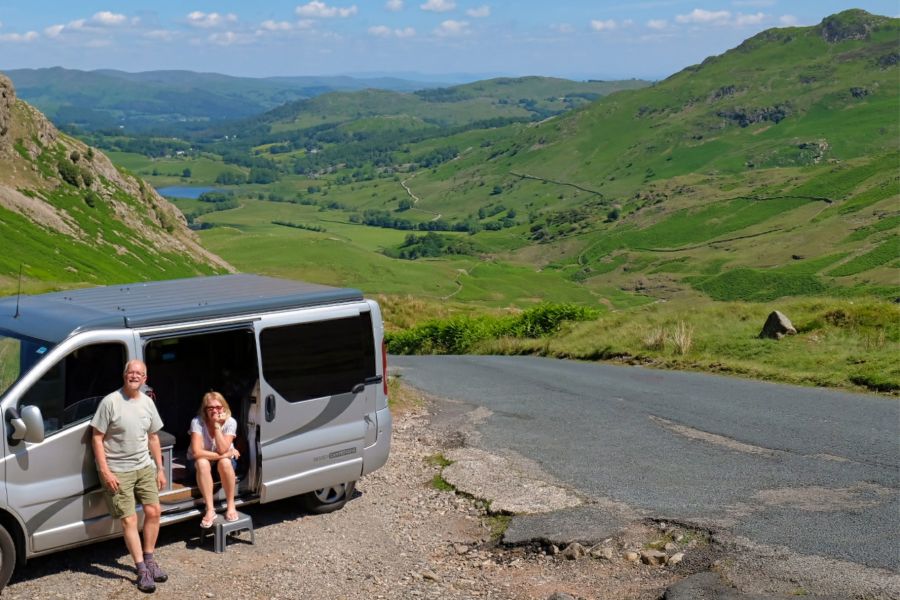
{"points": [[323, 358], [71, 390]]}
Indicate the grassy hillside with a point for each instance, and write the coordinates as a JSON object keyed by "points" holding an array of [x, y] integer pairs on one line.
{"points": [[768, 171]]}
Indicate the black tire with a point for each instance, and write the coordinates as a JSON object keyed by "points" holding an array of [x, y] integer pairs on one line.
{"points": [[326, 500], [8, 557]]}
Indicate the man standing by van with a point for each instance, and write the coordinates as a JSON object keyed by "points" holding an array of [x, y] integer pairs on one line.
{"points": [[125, 436]]}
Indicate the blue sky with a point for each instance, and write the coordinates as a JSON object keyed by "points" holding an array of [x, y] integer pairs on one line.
{"points": [[601, 39]]}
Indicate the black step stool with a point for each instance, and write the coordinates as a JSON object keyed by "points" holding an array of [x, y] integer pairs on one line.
{"points": [[222, 528]]}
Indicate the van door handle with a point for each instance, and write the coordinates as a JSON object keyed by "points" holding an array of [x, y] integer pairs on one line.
{"points": [[358, 388], [270, 408]]}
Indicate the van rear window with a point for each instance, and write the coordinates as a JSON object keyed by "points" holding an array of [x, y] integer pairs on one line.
{"points": [[323, 358]]}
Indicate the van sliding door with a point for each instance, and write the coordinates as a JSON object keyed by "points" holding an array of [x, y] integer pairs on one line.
{"points": [[312, 406]]}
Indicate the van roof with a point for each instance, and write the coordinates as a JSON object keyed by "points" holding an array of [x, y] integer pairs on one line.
{"points": [[55, 316]]}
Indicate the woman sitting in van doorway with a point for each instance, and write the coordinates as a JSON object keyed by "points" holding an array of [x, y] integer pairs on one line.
{"points": [[212, 442]]}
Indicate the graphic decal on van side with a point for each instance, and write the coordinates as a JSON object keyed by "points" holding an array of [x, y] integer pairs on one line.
{"points": [[336, 406]]}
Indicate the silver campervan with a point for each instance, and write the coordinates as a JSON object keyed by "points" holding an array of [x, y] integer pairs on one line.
{"points": [[302, 366]]}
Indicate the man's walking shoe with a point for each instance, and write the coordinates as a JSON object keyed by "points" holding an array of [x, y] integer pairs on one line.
{"points": [[145, 581], [156, 571]]}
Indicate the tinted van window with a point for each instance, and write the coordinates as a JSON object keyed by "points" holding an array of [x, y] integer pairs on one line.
{"points": [[70, 391], [324, 358]]}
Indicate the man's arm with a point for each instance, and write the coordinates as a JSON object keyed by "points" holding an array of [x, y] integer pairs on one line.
{"points": [[156, 453], [107, 477]]}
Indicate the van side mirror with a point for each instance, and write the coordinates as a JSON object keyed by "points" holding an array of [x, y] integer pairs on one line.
{"points": [[27, 424]]}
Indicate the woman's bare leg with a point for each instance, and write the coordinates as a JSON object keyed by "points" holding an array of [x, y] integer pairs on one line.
{"points": [[205, 483], [227, 477]]}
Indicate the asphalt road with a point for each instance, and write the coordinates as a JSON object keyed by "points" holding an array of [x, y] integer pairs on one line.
{"points": [[817, 471]]}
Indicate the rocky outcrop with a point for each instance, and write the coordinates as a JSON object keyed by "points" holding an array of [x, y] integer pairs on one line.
{"points": [[854, 24], [37, 161], [7, 100]]}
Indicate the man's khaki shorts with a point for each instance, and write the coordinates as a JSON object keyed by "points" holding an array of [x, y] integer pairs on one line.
{"points": [[134, 486]]}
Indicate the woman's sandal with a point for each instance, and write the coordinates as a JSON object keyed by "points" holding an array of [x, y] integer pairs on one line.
{"points": [[207, 522], [232, 517]]}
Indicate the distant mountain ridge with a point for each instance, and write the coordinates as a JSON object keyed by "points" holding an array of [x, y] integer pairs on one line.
{"points": [[106, 98], [68, 216]]}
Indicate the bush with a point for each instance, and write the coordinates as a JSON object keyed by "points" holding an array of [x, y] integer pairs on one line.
{"points": [[69, 172], [458, 335]]}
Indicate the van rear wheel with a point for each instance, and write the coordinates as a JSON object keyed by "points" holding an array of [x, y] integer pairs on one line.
{"points": [[328, 499], [7, 557]]}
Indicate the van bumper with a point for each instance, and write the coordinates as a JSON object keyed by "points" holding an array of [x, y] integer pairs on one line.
{"points": [[376, 455]]}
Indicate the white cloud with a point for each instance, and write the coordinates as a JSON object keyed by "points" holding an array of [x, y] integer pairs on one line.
{"points": [[228, 38], [788, 20], [320, 10], [19, 37], [451, 28], [109, 18], [54, 30], [207, 20], [480, 12], [438, 5], [562, 28], [657, 24], [76, 24], [276, 25], [698, 15], [598, 25], [162, 35], [384, 31], [741, 20], [394, 5]]}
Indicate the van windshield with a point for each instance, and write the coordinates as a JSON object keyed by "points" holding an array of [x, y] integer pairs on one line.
{"points": [[18, 354]]}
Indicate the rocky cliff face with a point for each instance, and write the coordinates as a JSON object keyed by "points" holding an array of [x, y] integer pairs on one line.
{"points": [[7, 99], [63, 187]]}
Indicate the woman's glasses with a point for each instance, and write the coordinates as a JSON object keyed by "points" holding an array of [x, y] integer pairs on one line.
{"points": [[215, 408]]}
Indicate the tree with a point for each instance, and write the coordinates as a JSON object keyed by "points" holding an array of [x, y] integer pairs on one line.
{"points": [[186, 173]]}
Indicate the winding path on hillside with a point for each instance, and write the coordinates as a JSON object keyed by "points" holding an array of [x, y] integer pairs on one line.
{"points": [[415, 198]]}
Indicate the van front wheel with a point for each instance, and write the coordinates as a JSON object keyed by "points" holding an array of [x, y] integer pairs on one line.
{"points": [[7, 557], [329, 499]]}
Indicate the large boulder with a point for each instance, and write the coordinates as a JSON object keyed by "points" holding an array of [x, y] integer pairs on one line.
{"points": [[777, 326]]}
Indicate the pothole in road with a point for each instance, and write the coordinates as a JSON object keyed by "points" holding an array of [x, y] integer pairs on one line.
{"points": [[822, 499]]}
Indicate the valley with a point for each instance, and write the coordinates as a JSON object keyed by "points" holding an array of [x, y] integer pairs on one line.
{"points": [[765, 177]]}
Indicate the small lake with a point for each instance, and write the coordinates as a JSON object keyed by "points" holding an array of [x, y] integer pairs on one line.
{"points": [[181, 191]]}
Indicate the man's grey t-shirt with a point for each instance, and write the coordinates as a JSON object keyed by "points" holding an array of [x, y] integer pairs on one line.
{"points": [[126, 424]]}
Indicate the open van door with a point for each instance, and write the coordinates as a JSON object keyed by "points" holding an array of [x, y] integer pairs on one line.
{"points": [[314, 366]]}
